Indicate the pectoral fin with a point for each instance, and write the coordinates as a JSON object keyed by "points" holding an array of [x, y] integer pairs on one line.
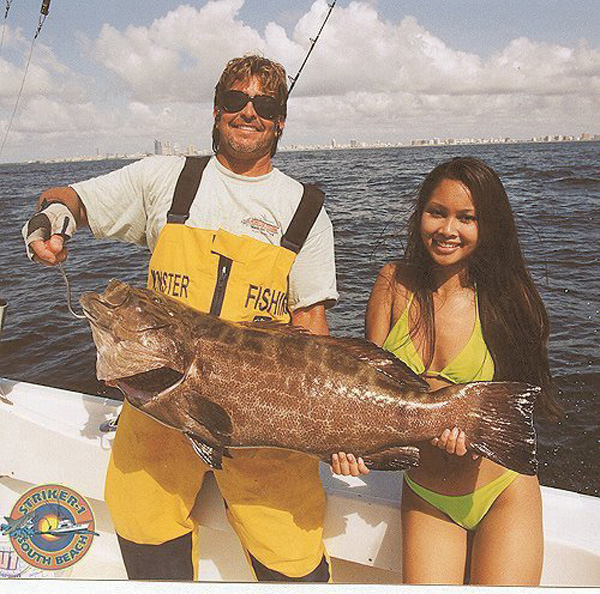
{"points": [[210, 455], [396, 458], [214, 417]]}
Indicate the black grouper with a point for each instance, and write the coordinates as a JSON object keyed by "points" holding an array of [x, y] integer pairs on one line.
{"points": [[236, 385]]}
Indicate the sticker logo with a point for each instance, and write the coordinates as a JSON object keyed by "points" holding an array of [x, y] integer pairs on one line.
{"points": [[50, 527]]}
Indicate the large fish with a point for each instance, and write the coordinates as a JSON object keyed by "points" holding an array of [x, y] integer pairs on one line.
{"points": [[230, 385]]}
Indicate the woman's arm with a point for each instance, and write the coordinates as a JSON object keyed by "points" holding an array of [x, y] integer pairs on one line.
{"points": [[378, 319]]}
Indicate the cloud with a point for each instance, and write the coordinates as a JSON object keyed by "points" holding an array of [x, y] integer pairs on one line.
{"points": [[180, 56], [368, 78]]}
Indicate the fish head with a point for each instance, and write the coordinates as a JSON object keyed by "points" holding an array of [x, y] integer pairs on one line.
{"points": [[141, 337]]}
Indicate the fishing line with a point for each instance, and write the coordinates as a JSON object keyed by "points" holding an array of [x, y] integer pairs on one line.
{"points": [[42, 19], [313, 42], [69, 302]]}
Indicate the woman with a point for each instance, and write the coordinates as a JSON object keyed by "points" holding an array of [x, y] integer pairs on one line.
{"points": [[459, 307]]}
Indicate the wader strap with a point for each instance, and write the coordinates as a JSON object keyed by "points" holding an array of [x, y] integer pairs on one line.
{"points": [[304, 218], [186, 188]]}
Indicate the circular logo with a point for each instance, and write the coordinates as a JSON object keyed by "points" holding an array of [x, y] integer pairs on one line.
{"points": [[51, 527]]}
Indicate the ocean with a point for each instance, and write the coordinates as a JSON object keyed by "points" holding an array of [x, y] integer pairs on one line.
{"points": [[554, 190]]}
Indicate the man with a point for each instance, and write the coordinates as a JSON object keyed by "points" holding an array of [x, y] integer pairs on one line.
{"points": [[235, 237]]}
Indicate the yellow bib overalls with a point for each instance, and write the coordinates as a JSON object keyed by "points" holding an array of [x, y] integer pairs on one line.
{"points": [[274, 499]]}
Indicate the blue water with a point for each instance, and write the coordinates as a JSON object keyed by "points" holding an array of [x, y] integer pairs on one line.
{"points": [[555, 193]]}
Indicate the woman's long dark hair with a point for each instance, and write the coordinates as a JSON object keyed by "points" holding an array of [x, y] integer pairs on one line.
{"points": [[514, 321]]}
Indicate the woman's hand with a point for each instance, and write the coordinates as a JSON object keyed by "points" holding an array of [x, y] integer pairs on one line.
{"points": [[348, 465], [452, 442]]}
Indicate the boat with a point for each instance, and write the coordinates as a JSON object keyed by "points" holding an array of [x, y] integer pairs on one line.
{"points": [[54, 436], [67, 527]]}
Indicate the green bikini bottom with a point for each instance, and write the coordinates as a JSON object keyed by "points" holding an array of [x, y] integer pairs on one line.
{"points": [[465, 510]]}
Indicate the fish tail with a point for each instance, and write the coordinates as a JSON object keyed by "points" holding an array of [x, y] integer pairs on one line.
{"points": [[498, 422]]}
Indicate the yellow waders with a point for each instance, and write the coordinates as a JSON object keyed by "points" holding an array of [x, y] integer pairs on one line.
{"points": [[275, 501]]}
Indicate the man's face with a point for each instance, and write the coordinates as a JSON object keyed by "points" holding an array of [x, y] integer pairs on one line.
{"points": [[244, 134]]}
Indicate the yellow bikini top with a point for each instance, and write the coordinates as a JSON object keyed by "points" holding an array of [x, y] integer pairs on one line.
{"points": [[473, 363]]}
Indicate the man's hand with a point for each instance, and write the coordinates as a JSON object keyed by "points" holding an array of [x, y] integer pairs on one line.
{"points": [[60, 211], [47, 231]]}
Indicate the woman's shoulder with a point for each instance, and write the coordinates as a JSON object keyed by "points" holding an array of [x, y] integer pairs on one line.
{"points": [[394, 285], [398, 277]]}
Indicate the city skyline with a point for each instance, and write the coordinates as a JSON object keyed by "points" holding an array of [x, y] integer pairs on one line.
{"points": [[168, 148], [113, 76]]}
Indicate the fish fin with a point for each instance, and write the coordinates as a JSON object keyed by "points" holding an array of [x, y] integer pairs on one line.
{"points": [[274, 326], [214, 417], [395, 458], [382, 360], [208, 454], [499, 422]]}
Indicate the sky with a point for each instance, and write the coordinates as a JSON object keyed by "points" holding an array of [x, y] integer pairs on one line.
{"points": [[109, 77]]}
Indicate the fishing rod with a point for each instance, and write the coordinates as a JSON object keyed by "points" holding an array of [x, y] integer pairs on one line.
{"points": [[313, 42], [45, 9], [7, 10]]}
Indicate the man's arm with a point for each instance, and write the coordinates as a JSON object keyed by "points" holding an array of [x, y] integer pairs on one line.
{"points": [[69, 197], [311, 318]]}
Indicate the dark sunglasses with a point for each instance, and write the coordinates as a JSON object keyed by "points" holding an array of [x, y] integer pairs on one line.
{"points": [[265, 106]]}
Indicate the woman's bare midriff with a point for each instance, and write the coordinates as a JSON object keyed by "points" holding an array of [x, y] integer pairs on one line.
{"points": [[450, 474]]}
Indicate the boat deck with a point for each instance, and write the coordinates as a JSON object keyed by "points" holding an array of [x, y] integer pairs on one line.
{"points": [[53, 436]]}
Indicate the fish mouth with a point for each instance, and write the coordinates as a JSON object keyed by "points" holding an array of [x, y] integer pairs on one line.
{"points": [[143, 387]]}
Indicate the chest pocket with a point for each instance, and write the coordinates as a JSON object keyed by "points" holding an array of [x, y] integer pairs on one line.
{"points": [[236, 277]]}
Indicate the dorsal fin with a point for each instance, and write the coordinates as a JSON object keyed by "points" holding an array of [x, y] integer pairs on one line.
{"points": [[274, 326], [382, 360]]}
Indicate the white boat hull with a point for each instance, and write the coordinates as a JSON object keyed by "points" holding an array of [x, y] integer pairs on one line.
{"points": [[53, 436]]}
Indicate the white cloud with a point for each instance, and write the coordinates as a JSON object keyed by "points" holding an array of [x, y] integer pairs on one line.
{"points": [[368, 78]]}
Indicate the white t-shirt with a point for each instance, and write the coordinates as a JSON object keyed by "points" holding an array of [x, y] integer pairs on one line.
{"points": [[131, 204]]}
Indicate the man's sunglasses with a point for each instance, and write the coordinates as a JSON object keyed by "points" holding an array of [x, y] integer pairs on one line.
{"points": [[265, 106]]}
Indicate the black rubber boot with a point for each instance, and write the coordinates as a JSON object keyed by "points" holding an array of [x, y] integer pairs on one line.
{"points": [[171, 560], [320, 574]]}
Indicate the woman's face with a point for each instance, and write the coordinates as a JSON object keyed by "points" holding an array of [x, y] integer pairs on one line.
{"points": [[449, 227]]}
